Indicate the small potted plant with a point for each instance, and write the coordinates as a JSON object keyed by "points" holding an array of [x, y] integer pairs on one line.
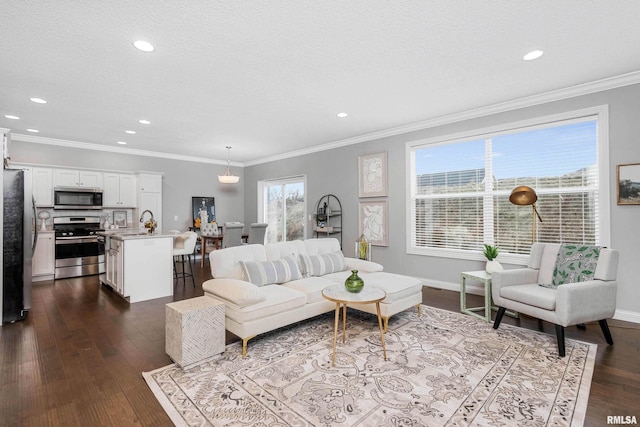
{"points": [[491, 253]]}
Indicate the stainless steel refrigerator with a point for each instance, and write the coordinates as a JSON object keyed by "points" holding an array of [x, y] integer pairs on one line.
{"points": [[18, 244]]}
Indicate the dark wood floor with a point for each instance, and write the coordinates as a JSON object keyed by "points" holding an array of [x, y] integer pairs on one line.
{"points": [[77, 359]]}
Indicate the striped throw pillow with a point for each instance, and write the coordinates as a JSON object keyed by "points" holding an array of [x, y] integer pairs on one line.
{"points": [[270, 272], [319, 265]]}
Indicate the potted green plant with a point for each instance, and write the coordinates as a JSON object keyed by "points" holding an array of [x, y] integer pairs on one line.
{"points": [[491, 253]]}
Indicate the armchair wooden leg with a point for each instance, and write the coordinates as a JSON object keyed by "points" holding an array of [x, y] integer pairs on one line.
{"points": [[560, 336], [499, 315], [605, 331], [581, 326]]}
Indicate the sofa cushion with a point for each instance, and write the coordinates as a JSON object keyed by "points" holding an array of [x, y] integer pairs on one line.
{"points": [[321, 246], [396, 286], [531, 294], [279, 299], [270, 272], [225, 263], [238, 292], [311, 286], [282, 249], [319, 265]]}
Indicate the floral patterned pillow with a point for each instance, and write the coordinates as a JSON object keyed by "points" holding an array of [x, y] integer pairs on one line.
{"points": [[575, 263]]}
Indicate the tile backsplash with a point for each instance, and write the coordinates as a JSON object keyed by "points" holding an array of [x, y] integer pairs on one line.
{"points": [[102, 213]]}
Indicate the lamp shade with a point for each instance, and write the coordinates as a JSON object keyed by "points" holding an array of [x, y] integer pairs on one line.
{"points": [[228, 178], [523, 196]]}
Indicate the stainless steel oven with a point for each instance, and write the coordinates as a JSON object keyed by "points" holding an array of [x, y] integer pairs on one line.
{"points": [[78, 251]]}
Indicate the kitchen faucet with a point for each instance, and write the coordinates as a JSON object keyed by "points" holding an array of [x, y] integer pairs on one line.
{"points": [[151, 224]]}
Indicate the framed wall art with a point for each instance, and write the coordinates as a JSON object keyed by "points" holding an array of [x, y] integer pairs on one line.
{"points": [[203, 207], [120, 218], [372, 175], [373, 221], [628, 184]]}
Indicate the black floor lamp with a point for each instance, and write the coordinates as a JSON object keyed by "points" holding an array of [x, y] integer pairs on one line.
{"points": [[525, 196]]}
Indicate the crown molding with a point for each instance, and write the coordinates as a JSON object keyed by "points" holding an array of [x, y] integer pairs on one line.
{"points": [[119, 150], [543, 98]]}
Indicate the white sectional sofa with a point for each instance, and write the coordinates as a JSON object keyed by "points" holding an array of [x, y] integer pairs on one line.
{"points": [[265, 287]]}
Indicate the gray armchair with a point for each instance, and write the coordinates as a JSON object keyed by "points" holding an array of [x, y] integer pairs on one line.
{"points": [[565, 305]]}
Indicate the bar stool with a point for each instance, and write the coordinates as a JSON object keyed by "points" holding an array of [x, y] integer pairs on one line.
{"points": [[184, 244]]}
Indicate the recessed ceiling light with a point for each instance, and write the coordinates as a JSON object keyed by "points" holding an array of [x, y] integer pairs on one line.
{"points": [[144, 46], [122, 143], [130, 132], [144, 122], [33, 130], [534, 54], [9, 116], [342, 115], [38, 100]]}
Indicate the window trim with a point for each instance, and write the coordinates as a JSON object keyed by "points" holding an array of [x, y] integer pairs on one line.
{"points": [[600, 113]]}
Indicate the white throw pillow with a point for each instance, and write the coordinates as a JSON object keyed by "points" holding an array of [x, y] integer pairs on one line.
{"points": [[269, 272], [319, 265]]}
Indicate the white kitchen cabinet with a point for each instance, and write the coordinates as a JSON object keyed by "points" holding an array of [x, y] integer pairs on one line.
{"points": [[42, 183], [150, 196], [44, 256], [115, 265], [77, 178], [150, 182], [119, 190], [140, 268]]}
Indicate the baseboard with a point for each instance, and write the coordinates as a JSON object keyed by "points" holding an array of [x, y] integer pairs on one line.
{"points": [[627, 316], [455, 287], [624, 315]]}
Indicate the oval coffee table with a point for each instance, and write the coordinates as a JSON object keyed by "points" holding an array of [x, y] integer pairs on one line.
{"points": [[339, 295]]}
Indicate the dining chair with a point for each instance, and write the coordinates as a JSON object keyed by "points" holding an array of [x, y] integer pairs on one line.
{"points": [[232, 234], [257, 232]]}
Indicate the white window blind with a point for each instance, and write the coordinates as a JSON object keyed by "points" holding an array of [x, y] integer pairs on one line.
{"points": [[459, 189]]}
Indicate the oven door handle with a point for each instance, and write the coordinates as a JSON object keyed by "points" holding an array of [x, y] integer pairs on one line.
{"points": [[73, 240]]}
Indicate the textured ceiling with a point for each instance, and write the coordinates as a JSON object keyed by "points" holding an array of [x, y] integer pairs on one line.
{"points": [[268, 78]]}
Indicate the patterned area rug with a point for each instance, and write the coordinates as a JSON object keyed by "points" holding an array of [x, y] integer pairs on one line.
{"points": [[443, 369]]}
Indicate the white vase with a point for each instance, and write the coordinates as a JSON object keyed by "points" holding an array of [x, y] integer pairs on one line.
{"points": [[493, 266]]}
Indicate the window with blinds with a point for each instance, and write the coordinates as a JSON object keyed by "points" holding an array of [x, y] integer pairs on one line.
{"points": [[459, 189]]}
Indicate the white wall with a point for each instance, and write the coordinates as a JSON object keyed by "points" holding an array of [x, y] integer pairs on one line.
{"points": [[335, 171]]}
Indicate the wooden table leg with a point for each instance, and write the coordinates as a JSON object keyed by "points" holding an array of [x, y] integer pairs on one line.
{"points": [[344, 323], [335, 334], [384, 348]]}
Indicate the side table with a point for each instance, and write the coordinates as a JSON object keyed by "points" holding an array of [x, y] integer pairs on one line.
{"points": [[339, 295], [485, 278], [194, 330]]}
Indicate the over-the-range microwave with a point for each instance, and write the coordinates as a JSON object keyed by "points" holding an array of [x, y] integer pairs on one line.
{"points": [[77, 198]]}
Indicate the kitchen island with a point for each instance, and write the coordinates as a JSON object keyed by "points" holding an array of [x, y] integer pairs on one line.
{"points": [[139, 266]]}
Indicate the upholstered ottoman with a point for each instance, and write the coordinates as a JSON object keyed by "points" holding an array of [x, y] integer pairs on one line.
{"points": [[403, 292], [194, 330]]}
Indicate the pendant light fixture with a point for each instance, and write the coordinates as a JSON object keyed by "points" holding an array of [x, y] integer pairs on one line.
{"points": [[228, 177]]}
